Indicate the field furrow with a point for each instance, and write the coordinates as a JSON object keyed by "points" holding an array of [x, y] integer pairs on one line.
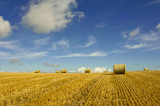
{"points": [[80, 89]]}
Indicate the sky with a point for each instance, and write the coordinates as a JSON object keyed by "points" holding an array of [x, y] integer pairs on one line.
{"points": [[51, 35]]}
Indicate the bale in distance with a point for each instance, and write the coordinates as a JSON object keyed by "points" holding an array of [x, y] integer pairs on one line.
{"points": [[57, 71], [146, 69], [37, 71], [87, 71], [64, 71], [119, 69]]}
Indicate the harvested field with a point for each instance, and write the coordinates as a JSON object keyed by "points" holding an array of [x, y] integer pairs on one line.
{"points": [[133, 88]]}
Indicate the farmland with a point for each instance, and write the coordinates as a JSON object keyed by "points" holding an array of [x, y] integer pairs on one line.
{"points": [[133, 88]]}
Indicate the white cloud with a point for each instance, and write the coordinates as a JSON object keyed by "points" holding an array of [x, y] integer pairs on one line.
{"points": [[150, 36], [110, 70], [125, 34], [81, 69], [90, 42], [93, 54], [134, 32], [135, 46], [99, 69], [2, 71], [148, 40], [153, 2], [5, 28], [8, 45], [116, 51], [50, 65], [46, 16], [158, 26], [42, 41], [3, 54], [31, 55], [62, 43], [100, 25]]}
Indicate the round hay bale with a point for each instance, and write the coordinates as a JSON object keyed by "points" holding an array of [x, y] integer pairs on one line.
{"points": [[37, 71], [119, 68], [146, 69], [64, 71], [57, 71], [87, 71]]}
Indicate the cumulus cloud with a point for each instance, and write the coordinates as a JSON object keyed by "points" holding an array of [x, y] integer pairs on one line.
{"points": [[46, 16], [14, 60], [5, 28], [42, 41], [81, 69], [62, 43], [94, 70], [93, 54], [99, 69], [50, 65]]}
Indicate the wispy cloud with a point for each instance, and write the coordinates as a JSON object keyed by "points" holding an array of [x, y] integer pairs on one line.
{"points": [[100, 25], [31, 55], [116, 51], [24, 55], [3, 54], [135, 46], [42, 41], [62, 43], [93, 54], [91, 40], [9, 45], [50, 65], [148, 40], [153, 2], [132, 33]]}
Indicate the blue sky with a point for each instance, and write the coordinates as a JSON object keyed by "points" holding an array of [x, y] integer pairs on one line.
{"points": [[75, 34]]}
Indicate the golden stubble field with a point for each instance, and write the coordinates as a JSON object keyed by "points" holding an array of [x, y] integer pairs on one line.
{"points": [[133, 88]]}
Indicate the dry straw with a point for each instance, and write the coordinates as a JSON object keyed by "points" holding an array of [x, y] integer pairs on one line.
{"points": [[146, 69], [64, 71], [87, 71], [119, 68]]}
